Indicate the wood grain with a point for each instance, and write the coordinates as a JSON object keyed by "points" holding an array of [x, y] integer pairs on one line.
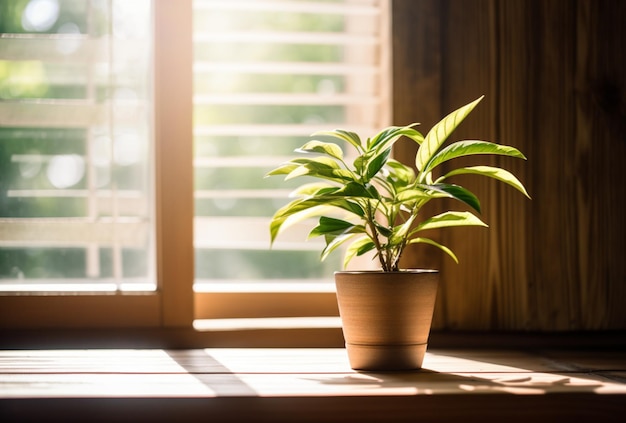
{"points": [[307, 385], [554, 86], [173, 117]]}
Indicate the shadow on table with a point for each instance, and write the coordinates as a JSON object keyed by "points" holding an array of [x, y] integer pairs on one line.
{"points": [[430, 382], [221, 380]]}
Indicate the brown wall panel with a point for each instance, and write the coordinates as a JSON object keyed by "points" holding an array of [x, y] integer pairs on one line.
{"points": [[554, 76]]}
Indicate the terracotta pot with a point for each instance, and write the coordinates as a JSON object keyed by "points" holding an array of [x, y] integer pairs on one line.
{"points": [[386, 317]]}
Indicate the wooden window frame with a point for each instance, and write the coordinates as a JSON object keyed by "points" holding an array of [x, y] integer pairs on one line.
{"points": [[171, 305]]}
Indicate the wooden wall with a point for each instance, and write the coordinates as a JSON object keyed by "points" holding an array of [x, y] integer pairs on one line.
{"points": [[554, 76]]}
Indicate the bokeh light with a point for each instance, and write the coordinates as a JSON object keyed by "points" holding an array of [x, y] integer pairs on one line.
{"points": [[40, 15], [65, 170]]}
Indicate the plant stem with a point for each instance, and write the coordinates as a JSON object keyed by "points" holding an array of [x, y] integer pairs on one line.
{"points": [[374, 236]]}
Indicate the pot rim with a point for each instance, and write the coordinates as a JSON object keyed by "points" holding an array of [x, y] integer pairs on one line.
{"points": [[379, 271]]}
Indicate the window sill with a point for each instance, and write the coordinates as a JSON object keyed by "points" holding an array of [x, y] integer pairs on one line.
{"points": [[309, 385], [267, 323]]}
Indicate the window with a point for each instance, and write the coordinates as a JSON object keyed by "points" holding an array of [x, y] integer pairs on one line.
{"points": [[266, 74], [76, 131], [82, 82]]}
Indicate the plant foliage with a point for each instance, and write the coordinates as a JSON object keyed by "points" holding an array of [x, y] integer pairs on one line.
{"points": [[378, 198]]}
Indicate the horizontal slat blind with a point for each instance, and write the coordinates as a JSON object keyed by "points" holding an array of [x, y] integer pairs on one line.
{"points": [[75, 146], [267, 74]]}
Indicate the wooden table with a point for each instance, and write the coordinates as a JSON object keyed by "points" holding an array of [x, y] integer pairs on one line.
{"points": [[316, 385]]}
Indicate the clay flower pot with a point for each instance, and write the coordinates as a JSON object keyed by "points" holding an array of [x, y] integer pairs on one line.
{"points": [[386, 317]]}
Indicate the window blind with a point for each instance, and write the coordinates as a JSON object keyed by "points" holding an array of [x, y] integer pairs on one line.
{"points": [[267, 74], [75, 146]]}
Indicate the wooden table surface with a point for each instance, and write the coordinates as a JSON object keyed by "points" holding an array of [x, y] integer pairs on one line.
{"points": [[309, 385]]}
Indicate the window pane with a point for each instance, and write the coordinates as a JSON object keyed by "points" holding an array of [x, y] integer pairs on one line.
{"points": [[76, 145], [267, 74]]}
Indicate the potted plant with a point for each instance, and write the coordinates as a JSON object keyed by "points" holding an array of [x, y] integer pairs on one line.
{"points": [[373, 203]]}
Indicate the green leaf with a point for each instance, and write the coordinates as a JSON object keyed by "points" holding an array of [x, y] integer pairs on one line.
{"points": [[319, 162], [341, 134], [354, 189], [492, 172], [349, 206], [283, 169], [383, 230], [335, 242], [400, 231], [400, 172], [455, 191], [358, 248], [467, 148], [388, 136], [377, 162], [321, 167], [412, 195], [373, 192], [449, 219], [315, 188], [440, 132], [330, 149], [330, 225], [304, 208], [294, 212], [436, 244], [414, 134], [359, 163]]}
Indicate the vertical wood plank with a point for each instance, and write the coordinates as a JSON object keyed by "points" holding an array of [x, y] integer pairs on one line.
{"points": [[174, 176], [600, 148], [541, 60], [416, 72], [469, 71], [555, 277]]}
